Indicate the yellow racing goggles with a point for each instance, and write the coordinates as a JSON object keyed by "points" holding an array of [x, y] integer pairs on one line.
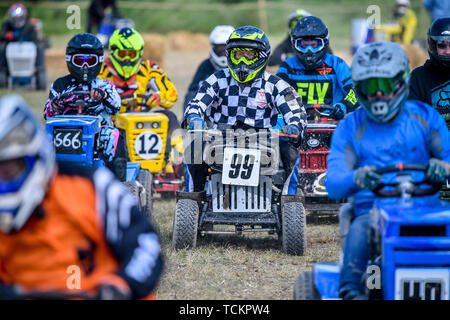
{"points": [[127, 53], [248, 56]]}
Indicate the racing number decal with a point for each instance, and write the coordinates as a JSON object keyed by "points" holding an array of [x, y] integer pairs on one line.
{"points": [[247, 166], [68, 141], [148, 145], [241, 166]]}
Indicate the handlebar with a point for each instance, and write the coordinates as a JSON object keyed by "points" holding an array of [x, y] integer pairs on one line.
{"points": [[407, 185], [77, 100]]}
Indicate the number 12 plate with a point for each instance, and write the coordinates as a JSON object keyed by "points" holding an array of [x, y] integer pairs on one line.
{"points": [[241, 166]]}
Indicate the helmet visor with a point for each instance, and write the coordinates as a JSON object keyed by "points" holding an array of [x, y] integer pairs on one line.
{"points": [[248, 56], [219, 50], [81, 60], [132, 54], [309, 44], [369, 87]]}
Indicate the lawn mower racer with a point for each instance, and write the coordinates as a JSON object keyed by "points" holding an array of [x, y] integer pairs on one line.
{"points": [[143, 86], [84, 54], [387, 130], [244, 96], [63, 233], [323, 82]]}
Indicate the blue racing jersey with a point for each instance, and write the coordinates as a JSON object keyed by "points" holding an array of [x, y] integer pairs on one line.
{"points": [[416, 135], [330, 83]]}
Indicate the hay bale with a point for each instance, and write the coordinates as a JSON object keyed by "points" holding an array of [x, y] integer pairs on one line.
{"points": [[417, 56], [155, 47], [56, 59], [183, 40]]}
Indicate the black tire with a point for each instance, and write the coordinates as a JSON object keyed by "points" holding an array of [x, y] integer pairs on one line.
{"points": [[293, 233], [134, 189], [41, 80], [146, 179], [185, 224], [304, 288], [3, 80]]}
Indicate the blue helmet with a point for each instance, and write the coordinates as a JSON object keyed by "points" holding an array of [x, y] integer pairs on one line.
{"points": [[23, 142], [310, 40]]}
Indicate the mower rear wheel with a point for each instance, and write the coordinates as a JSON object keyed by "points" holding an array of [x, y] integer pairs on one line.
{"points": [[304, 288], [293, 233], [146, 179]]}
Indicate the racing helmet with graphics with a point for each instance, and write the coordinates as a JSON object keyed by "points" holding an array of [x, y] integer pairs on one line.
{"points": [[27, 163], [84, 57], [295, 16], [439, 34], [380, 72], [17, 15], [218, 41], [126, 47], [248, 51], [310, 40]]}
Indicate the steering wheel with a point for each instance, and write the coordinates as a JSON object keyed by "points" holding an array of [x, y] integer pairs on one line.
{"points": [[76, 101], [133, 102], [382, 193]]}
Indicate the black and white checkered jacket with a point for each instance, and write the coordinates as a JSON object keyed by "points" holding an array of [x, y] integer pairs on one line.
{"points": [[222, 100]]}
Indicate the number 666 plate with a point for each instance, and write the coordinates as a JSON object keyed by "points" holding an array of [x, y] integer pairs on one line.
{"points": [[241, 166]]}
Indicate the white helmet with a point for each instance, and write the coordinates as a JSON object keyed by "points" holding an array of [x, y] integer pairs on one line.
{"points": [[218, 39], [381, 66], [22, 138]]}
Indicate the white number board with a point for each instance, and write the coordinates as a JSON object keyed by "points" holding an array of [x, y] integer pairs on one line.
{"points": [[422, 283], [241, 166], [148, 145]]}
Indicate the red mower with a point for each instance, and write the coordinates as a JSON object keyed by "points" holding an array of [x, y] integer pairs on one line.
{"points": [[312, 171]]}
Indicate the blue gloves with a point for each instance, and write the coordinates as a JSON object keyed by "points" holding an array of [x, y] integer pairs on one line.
{"points": [[339, 111], [194, 122], [291, 130], [438, 170], [366, 178]]}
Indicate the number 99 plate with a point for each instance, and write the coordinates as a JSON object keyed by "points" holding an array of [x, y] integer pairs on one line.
{"points": [[241, 166], [68, 141]]}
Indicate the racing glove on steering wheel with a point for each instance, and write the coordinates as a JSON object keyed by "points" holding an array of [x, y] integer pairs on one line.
{"points": [[366, 177], [438, 170], [338, 112], [194, 122], [291, 130]]}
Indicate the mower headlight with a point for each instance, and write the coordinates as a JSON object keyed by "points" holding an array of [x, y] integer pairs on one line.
{"points": [[139, 125], [156, 125]]}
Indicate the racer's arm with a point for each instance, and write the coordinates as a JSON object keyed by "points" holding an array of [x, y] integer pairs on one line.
{"points": [[50, 109], [112, 101], [4, 30], [129, 234], [415, 92], [346, 84], [438, 136], [159, 83], [283, 72], [290, 105], [204, 98], [409, 23], [342, 163]]}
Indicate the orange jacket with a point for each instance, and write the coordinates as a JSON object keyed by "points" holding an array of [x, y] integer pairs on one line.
{"points": [[89, 232]]}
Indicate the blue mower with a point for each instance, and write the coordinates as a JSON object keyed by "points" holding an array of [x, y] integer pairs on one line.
{"points": [[409, 242], [75, 137]]}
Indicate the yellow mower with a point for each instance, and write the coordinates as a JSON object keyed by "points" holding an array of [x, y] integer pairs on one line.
{"points": [[147, 143]]}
